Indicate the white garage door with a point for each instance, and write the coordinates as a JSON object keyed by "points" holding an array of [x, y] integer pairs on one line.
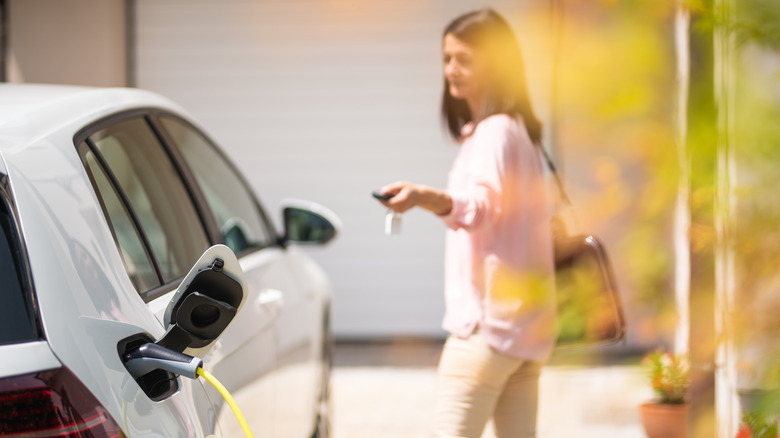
{"points": [[327, 100]]}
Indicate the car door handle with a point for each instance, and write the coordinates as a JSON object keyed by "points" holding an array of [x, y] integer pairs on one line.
{"points": [[270, 299]]}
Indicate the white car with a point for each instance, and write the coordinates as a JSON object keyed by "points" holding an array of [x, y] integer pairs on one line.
{"points": [[109, 198]]}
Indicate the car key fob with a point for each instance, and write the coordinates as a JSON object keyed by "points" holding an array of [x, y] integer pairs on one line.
{"points": [[383, 197]]}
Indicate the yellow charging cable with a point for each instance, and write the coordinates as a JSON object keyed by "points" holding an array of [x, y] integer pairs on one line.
{"points": [[229, 399]]}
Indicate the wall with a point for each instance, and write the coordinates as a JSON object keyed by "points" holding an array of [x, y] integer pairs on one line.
{"points": [[80, 42]]}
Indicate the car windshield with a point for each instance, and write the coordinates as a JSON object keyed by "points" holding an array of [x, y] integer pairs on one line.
{"points": [[17, 320]]}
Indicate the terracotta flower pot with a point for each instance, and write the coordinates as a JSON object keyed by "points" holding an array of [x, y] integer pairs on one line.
{"points": [[664, 421]]}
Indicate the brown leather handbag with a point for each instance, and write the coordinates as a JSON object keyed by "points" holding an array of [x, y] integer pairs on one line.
{"points": [[589, 307]]}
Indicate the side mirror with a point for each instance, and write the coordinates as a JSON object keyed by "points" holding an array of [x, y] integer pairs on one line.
{"points": [[589, 308], [205, 303], [309, 222]]}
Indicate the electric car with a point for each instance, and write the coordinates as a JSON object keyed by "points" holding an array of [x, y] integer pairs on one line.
{"points": [[109, 200]]}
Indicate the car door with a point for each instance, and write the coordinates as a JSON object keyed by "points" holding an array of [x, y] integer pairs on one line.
{"points": [[159, 234], [247, 366], [298, 349]]}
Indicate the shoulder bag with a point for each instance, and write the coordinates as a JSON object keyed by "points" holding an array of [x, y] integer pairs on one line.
{"points": [[589, 307]]}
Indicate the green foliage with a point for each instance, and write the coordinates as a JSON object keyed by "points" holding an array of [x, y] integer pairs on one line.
{"points": [[669, 376], [749, 21], [759, 22], [760, 425], [736, 110]]}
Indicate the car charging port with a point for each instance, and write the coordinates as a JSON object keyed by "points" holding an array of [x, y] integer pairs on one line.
{"points": [[157, 384], [202, 307], [200, 310], [155, 367]]}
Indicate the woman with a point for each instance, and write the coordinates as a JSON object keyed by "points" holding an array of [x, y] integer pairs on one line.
{"points": [[500, 305]]}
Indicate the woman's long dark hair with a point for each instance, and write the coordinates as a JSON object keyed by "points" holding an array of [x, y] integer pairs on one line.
{"points": [[506, 90]]}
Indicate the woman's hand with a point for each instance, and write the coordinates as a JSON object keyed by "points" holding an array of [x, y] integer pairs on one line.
{"points": [[407, 195]]}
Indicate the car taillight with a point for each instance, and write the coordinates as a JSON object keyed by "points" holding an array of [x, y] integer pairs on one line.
{"points": [[52, 403]]}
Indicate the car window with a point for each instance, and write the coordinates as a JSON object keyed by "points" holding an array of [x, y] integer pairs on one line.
{"points": [[156, 194], [238, 215], [17, 320], [137, 260]]}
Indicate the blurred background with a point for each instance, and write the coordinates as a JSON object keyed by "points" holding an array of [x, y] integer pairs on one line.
{"points": [[662, 115], [328, 100]]}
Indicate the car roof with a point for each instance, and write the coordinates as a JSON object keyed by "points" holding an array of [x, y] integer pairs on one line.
{"points": [[29, 112]]}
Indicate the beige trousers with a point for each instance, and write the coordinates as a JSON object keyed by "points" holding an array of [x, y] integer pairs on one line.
{"points": [[475, 382]]}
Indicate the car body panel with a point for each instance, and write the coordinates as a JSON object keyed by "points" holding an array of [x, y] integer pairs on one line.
{"points": [[300, 360], [30, 357]]}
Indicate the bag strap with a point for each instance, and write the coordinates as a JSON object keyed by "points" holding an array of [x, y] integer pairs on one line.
{"points": [[560, 228], [554, 170]]}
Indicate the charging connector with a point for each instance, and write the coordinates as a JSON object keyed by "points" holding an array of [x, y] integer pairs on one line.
{"points": [[150, 357]]}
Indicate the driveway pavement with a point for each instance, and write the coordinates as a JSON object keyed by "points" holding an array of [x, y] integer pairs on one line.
{"points": [[386, 390]]}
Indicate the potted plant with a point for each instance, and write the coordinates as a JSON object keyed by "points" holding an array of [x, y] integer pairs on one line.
{"points": [[667, 416], [757, 425]]}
